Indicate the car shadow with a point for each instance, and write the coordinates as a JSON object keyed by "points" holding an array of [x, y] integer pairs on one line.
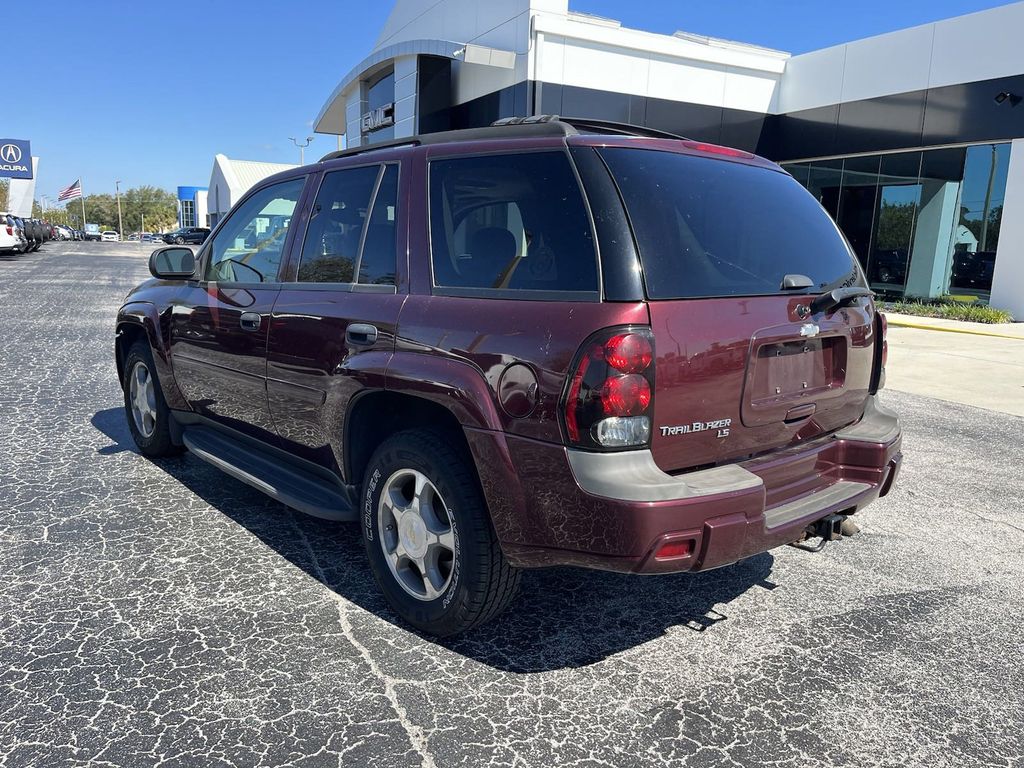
{"points": [[562, 618], [111, 422]]}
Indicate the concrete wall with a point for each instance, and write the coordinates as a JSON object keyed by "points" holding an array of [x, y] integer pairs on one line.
{"points": [[1008, 280]]}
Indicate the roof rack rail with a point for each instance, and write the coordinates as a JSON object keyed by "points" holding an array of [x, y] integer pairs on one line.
{"points": [[591, 125], [541, 125], [408, 142], [513, 127]]}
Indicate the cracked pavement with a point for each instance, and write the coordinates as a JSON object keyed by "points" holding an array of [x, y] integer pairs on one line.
{"points": [[164, 614]]}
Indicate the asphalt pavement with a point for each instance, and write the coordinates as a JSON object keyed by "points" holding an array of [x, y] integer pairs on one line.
{"points": [[165, 614]]}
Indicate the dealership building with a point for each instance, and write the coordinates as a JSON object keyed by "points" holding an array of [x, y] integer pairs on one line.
{"points": [[913, 140]]}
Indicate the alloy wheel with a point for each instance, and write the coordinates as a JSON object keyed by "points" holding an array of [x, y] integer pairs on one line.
{"points": [[142, 398], [416, 534]]}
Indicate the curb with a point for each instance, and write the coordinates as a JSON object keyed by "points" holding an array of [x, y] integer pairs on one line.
{"points": [[969, 332]]}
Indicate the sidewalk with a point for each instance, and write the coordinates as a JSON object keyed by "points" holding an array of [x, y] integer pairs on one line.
{"points": [[962, 366], [1004, 330]]}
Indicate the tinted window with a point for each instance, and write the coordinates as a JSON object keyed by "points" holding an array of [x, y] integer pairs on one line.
{"points": [[377, 263], [510, 222], [709, 227], [250, 245], [331, 247]]}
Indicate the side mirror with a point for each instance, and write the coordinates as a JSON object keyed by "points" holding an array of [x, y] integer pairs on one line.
{"points": [[172, 263]]}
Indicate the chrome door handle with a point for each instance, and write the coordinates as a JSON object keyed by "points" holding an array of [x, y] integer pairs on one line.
{"points": [[250, 321], [361, 335]]}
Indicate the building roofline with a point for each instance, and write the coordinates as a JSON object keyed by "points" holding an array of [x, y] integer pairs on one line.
{"points": [[442, 48]]}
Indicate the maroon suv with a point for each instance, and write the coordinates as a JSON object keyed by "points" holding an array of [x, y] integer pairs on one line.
{"points": [[534, 344]]}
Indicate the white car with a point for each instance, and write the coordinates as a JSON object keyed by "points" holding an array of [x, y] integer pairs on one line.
{"points": [[64, 233], [12, 239], [110, 237]]}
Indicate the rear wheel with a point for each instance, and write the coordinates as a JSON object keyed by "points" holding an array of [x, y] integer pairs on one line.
{"points": [[429, 538], [148, 415]]}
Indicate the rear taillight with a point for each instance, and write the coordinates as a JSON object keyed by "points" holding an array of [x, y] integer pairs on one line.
{"points": [[608, 402], [885, 340], [881, 354], [10, 230]]}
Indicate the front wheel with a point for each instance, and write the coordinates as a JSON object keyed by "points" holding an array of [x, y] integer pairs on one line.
{"points": [[179, 241], [429, 538], [148, 415]]}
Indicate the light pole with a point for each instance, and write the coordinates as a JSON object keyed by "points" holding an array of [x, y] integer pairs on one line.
{"points": [[302, 148], [117, 193]]}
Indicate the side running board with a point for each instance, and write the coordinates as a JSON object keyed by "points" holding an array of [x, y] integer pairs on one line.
{"points": [[290, 484]]}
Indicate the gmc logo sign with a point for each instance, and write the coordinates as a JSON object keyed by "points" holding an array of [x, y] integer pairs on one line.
{"points": [[378, 118]]}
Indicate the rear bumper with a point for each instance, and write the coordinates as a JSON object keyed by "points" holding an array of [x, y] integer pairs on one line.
{"points": [[555, 506]]}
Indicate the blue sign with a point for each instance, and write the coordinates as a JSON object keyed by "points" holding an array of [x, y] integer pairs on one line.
{"points": [[15, 159]]}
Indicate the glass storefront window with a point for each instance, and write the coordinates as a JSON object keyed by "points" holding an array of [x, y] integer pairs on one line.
{"points": [[824, 180], [980, 214], [857, 204], [898, 201], [923, 224]]}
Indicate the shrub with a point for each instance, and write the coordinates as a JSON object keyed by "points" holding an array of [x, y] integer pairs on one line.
{"points": [[950, 310]]}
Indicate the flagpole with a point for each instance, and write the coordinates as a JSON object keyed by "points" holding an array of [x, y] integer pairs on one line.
{"points": [[81, 196]]}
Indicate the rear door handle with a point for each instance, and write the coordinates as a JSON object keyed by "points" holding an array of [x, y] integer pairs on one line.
{"points": [[250, 321], [361, 335]]}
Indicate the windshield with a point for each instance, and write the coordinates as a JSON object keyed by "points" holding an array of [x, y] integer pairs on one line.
{"points": [[707, 227]]}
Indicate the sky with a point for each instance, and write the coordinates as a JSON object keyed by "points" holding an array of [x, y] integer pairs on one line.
{"points": [[148, 93]]}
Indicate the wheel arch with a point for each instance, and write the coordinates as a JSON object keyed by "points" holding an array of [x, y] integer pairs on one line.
{"points": [[376, 415], [139, 321]]}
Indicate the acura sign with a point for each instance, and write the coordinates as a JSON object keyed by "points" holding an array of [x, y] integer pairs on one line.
{"points": [[15, 159], [378, 118]]}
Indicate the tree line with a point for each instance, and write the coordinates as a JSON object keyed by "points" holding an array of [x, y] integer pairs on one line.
{"points": [[143, 208]]}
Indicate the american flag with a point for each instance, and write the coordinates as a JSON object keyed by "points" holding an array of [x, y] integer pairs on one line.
{"points": [[70, 193]]}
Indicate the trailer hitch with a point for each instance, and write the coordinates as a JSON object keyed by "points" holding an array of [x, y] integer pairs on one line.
{"points": [[831, 528]]}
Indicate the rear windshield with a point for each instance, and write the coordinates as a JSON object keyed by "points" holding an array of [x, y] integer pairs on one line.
{"points": [[708, 227]]}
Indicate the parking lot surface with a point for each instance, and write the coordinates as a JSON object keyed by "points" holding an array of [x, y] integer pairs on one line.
{"points": [[165, 614]]}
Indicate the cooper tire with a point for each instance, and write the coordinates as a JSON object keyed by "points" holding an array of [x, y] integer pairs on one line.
{"points": [[472, 585], [152, 432]]}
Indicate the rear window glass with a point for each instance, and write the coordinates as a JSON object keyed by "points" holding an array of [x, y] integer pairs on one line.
{"points": [[510, 222], [708, 227]]}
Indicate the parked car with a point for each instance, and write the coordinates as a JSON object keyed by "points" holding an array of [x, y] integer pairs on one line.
{"points": [[193, 235], [149, 237], [109, 236], [33, 233], [973, 270], [621, 352], [12, 235]]}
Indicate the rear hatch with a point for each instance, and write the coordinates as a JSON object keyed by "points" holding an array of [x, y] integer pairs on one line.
{"points": [[743, 365]]}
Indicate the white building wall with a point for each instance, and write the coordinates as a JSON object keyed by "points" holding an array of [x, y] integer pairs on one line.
{"points": [[929, 56], [593, 53], [1008, 280], [21, 193], [202, 207]]}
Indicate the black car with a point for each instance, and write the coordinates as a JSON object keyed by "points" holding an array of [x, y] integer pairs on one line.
{"points": [[195, 235], [33, 233]]}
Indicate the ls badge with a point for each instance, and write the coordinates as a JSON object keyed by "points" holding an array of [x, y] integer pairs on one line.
{"points": [[722, 425]]}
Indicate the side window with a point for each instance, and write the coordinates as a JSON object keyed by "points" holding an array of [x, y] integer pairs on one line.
{"points": [[510, 222], [250, 245], [377, 264], [331, 248]]}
